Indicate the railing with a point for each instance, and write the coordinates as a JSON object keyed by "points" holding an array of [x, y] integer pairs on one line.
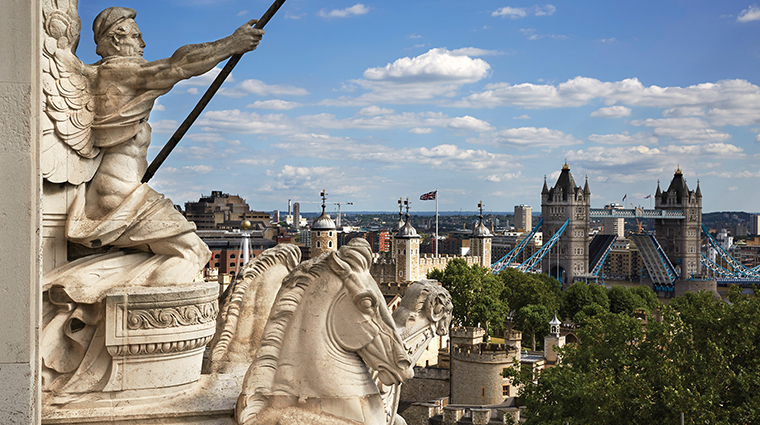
{"points": [[636, 213]]}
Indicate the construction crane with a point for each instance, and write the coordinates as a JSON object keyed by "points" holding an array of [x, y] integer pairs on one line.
{"points": [[337, 221]]}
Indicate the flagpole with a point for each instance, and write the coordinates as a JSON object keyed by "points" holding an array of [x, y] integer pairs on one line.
{"points": [[436, 223]]}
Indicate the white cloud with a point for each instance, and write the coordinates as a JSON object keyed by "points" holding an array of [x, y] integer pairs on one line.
{"points": [[727, 102], [206, 79], [370, 118], [242, 13], [435, 65], [355, 10], [274, 104], [384, 121], [475, 51], [413, 36], [164, 126], [510, 12], [526, 137], [624, 138], [199, 169], [750, 14], [498, 178], [607, 40], [435, 73], [375, 110], [193, 90], [531, 34], [688, 128], [522, 117], [547, 10], [612, 112], [420, 130], [522, 12], [235, 121], [260, 88]]}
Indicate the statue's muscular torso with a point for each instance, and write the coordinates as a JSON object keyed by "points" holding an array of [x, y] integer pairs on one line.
{"points": [[121, 79], [123, 165]]}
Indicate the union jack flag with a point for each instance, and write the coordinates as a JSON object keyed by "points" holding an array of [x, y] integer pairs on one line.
{"points": [[430, 196]]}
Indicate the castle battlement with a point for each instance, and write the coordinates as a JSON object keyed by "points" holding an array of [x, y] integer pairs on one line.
{"points": [[484, 353]]}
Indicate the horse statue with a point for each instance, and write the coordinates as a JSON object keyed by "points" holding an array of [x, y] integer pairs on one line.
{"points": [[245, 306], [424, 311], [329, 328]]}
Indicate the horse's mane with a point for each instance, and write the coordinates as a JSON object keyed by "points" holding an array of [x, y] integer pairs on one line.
{"points": [[352, 258], [286, 254]]}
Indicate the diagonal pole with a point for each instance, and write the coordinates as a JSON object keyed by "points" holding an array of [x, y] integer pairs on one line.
{"points": [[210, 92]]}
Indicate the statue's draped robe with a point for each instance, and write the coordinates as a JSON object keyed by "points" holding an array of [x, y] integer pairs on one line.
{"points": [[74, 355]]}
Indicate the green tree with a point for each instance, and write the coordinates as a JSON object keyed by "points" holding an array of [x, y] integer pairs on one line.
{"points": [[700, 360], [476, 294], [532, 319], [534, 298], [579, 296], [622, 300]]}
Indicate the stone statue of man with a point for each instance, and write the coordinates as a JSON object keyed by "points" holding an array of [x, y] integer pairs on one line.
{"points": [[95, 136]]}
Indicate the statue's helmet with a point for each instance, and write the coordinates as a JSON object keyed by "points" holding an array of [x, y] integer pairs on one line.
{"points": [[108, 19]]}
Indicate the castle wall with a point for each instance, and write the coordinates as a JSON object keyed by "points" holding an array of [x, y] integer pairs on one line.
{"points": [[428, 383]]}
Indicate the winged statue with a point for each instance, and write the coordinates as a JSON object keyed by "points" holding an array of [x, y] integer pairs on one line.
{"points": [[95, 137]]}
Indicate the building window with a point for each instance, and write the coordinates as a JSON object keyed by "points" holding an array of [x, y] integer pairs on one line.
{"points": [[329, 234], [482, 391], [319, 234], [216, 256], [216, 264], [505, 390], [232, 255], [329, 244], [232, 264], [319, 244]]}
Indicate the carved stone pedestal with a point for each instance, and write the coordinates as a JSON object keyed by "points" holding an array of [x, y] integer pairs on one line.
{"points": [[157, 336]]}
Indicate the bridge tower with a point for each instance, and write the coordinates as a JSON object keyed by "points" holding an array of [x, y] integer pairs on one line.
{"points": [[566, 201], [680, 239]]}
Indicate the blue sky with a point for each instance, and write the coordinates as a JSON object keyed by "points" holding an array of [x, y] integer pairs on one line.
{"points": [[480, 99]]}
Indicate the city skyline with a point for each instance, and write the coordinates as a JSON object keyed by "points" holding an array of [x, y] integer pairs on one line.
{"points": [[379, 100]]}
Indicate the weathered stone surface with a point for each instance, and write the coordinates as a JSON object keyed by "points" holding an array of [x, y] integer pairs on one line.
{"points": [[328, 326]]}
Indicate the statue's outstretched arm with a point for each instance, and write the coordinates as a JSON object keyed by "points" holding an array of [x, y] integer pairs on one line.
{"points": [[196, 59]]}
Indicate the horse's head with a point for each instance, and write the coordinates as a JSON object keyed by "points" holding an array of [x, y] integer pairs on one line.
{"points": [[359, 318], [425, 303]]}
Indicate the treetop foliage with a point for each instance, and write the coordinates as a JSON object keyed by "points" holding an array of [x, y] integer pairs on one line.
{"points": [[701, 359]]}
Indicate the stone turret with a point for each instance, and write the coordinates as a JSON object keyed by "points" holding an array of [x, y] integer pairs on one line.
{"points": [[324, 235], [480, 241], [680, 238], [566, 201], [553, 341], [407, 250]]}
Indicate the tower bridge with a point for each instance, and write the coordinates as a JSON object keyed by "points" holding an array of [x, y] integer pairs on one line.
{"points": [[672, 253]]}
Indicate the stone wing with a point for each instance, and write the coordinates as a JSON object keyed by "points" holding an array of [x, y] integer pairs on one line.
{"points": [[67, 151]]}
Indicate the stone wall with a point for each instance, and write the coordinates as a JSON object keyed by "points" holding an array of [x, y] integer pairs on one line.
{"points": [[683, 286], [20, 219], [428, 383], [476, 373]]}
